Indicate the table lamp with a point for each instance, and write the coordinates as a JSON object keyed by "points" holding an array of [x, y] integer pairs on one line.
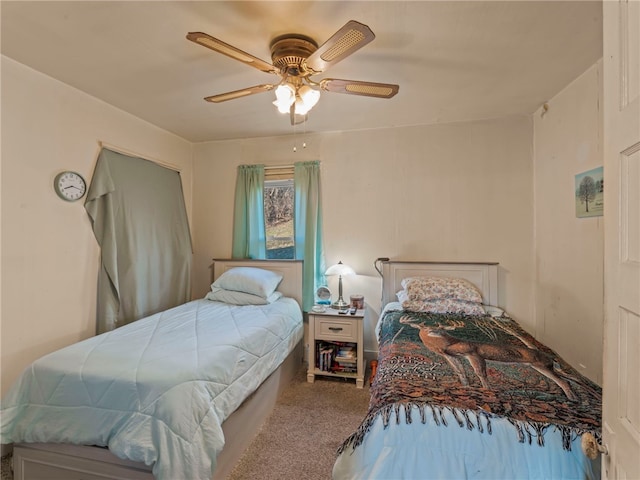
{"points": [[340, 269]]}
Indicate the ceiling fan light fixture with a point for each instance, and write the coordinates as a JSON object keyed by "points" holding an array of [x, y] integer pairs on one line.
{"points": [[303, 96], [285, 96]]}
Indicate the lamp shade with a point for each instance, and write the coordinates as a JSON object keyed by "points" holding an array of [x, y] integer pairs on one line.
{"points": [[340, 269]]}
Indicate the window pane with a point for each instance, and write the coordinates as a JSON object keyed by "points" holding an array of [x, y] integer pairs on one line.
{"points": [[278, 217]]}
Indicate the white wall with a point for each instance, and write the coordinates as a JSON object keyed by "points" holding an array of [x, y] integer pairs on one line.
{"points": [[457, 192], [50, 257], [569, 250]]}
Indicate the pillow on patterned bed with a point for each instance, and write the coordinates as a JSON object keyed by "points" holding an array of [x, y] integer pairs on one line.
{"points": [[252, 280], [437, 288]]}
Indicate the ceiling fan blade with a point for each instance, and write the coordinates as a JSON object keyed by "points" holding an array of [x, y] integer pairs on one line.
{"points": [[231, 51], [223, 97], [350, 38], [355, 87]]}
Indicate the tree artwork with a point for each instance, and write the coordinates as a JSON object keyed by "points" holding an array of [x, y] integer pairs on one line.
{"points": [[587, 191]]}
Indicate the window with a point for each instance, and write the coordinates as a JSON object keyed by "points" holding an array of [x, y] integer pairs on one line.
{"points": [[278, 218], [283, 204]]}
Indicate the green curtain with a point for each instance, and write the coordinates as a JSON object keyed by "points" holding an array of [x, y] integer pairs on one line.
{"points": [[140, 221], [249, 236], [308, 228]]}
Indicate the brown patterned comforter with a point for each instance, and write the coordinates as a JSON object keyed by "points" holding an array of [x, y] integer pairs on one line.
{"points": [[478, 368]]}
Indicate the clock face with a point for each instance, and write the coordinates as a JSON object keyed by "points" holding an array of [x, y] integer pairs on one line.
{"points": [[70, 186]]}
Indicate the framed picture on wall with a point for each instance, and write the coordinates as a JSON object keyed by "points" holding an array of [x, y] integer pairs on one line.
{"points": [[589, 191]]}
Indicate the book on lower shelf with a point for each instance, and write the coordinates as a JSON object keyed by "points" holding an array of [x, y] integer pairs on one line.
{"points": [[338, 357]]}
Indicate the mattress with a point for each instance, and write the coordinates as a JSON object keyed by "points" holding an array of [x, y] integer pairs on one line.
{"points": [[424, 422], [157, 390]]}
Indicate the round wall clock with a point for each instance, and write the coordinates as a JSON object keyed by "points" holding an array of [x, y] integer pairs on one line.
{"points": [[70, 186]]}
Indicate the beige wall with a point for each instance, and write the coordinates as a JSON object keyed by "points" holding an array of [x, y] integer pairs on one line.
{"points": [[49, 254], [458, 192], [569, 250]]}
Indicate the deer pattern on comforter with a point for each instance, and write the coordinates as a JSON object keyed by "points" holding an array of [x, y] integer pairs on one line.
{"points": [[478, 368]]}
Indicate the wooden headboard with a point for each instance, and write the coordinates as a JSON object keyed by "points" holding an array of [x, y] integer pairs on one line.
{"points": [[291, 270], [482, 275]]}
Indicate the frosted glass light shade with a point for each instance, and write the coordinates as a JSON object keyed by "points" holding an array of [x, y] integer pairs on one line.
{"points": [[285, 96], [304, 97], [340, 269]]}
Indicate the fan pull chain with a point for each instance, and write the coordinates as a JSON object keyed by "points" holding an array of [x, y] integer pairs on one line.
{"points": [[295, 149], [304, 143]]}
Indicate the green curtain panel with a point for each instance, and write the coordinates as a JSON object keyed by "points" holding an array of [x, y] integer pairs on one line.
{"points": [[308, 228], [140, 221], [249, 235]]}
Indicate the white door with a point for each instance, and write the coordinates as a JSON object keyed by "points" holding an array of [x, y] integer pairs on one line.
{"points": [[621, 389]]}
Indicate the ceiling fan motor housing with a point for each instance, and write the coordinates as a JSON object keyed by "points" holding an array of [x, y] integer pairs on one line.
{"points": [[288, 52]]}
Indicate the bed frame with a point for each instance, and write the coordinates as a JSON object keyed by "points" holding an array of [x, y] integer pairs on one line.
{"points": [[482, 275], [47, 461]]}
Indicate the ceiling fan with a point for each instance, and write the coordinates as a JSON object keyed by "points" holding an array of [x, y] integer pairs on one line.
{"points": [[296, 58]]}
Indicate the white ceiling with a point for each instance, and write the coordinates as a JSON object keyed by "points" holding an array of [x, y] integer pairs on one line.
{"points": [[453, 60]]}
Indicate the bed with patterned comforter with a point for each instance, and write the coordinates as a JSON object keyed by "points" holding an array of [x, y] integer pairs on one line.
{"points": [[470, 396], [157, 390]]}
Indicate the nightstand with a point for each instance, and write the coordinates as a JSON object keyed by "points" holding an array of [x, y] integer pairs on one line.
{"points": [[336, 345]]}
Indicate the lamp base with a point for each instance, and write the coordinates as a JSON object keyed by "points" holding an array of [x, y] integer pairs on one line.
{"points": [[340, 304]]}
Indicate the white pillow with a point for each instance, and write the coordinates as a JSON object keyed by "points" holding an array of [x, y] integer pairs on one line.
{"points": [[402, 296], [494, 311], [240, 298], [255, 281], [444, 305]]}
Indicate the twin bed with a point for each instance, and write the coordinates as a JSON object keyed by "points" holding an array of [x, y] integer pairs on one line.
{"points": [[463, 392], [177, 395]]}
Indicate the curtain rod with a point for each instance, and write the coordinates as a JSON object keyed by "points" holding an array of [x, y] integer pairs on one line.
{"points": [[131, 153]]}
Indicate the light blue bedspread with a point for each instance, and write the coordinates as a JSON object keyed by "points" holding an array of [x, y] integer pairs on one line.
{"points": [[421, 444], [157, 390], [426, 451]]}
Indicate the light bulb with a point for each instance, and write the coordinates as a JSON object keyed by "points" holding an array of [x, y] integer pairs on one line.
{"points": [[285, 96]]}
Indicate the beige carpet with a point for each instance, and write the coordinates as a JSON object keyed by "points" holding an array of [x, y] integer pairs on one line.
{"points": [[300, 438]]}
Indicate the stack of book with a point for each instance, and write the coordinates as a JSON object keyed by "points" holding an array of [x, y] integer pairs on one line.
{"points": [[346, 358], [336, 357]]}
